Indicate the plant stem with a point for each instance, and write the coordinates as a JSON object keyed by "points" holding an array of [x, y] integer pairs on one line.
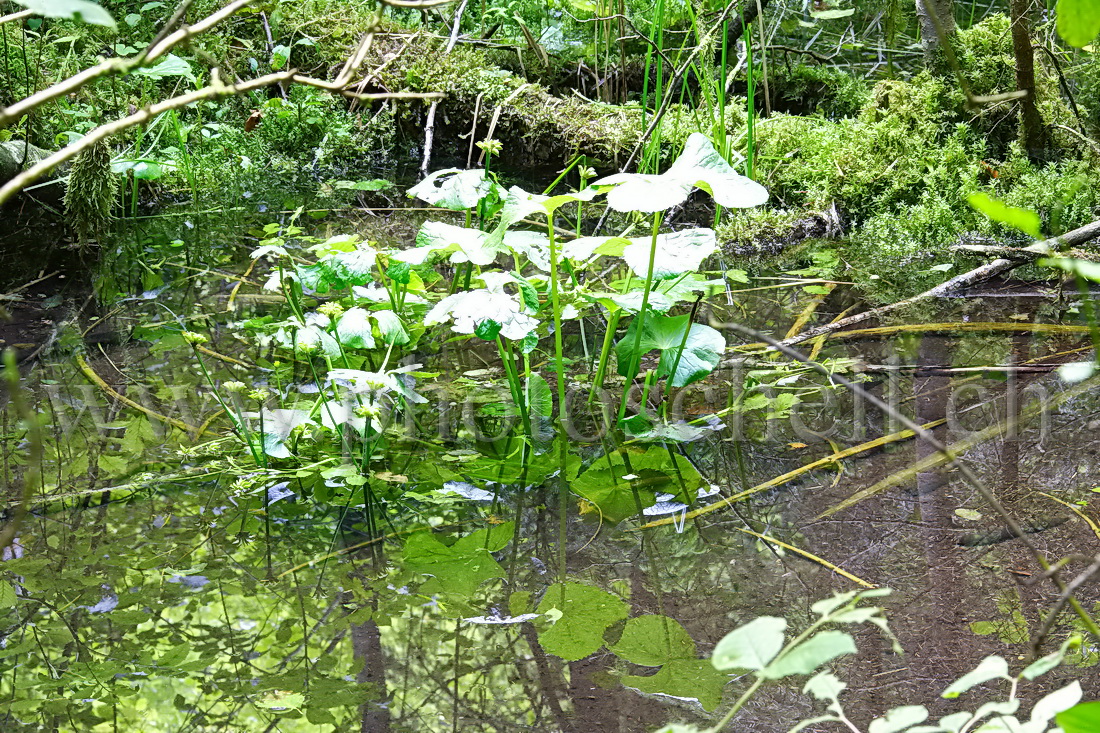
{"points": [[635, 357], [559, 363], [750, 105]]}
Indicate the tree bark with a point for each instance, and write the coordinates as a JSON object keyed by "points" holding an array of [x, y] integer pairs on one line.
{"points": [[1031, 122], [930, 14]]}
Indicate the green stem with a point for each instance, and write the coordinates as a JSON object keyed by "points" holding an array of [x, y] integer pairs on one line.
{"points": [[635, 357], [750, 105], [559, 363], [514, 386], [605, 353]]}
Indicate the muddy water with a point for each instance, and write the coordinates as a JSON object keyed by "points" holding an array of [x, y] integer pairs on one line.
{"points": [[150, 590]]}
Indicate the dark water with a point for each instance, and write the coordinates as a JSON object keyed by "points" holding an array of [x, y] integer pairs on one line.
{"points": [[148, 590]]}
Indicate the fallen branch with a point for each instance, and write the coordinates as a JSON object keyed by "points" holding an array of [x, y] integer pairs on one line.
{"points": [[959, 282], [97, 380]]}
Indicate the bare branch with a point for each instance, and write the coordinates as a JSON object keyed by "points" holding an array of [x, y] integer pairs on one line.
{"points": [[15, 16]]}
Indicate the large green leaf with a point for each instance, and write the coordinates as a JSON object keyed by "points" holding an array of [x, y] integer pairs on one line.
{"points": [[701, 353], [611, 486], [1081, 718], [1078, 21], [654, 640], [675, 253], [699, 166], [84, 10], [1082, 268], [694, 679], [752, 646], [805, 658], [457, 570], [585, 611], [899, 719], [455, 188], [170, 66], [354, 329]]}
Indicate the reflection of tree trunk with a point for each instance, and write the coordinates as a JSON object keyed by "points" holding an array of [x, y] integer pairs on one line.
{"points": [[366, 641], [1031, 122], [944, 622], [547, 683], [929, 13]]}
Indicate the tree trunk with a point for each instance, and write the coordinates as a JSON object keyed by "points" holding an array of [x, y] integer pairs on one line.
{"points": [[1031, 123], [936, 18]]}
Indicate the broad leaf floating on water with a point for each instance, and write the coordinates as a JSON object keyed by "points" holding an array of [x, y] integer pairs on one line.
{"points": [[455, 188], [617, 491], [677, 253], [653, 640], [586, 612], [469, 310], [699, 166], [84, 10], [458, 569], [701, 353], [691, 679]]}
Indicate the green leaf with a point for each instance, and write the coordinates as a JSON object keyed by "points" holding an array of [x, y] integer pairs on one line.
{"points": [[899, 719], [172, 65], [675, 254], [465, 245], [487, 330], [455, 189], [694, 679], [280, 55], [654, 640], [832, 14], [1078, 22], [824, 686], [702, 350], [457, 570], [83, 10], [390, 327], [7, 595], [493, 538], [540, 400], [819, 649], [586, 612], [1081, 718], [1082, 268], [751, 646], [1025, 220], [988, 669], [1045, 664], [353, 330]]}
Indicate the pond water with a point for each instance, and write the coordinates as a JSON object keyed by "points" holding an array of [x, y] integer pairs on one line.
{"points": [[164, 580]]}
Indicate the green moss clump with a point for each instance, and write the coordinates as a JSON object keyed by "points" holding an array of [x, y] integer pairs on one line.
{"points": [[90, 192]]}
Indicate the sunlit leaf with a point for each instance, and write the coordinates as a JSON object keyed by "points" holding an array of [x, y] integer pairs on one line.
{"points": [[1078, 23], [899, 719], [1083, 268], [701, 353], [1057, 701], [675, 254], [354, 329], [1044, 664], [84, 10], [752, 646], [1081, 718], [824, 686], [586, 612], [454, 188], [1025, 220], [471, 308]]}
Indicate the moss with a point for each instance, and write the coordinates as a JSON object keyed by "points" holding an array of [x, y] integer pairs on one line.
{"points": [[90, 192], [804, 88]]}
